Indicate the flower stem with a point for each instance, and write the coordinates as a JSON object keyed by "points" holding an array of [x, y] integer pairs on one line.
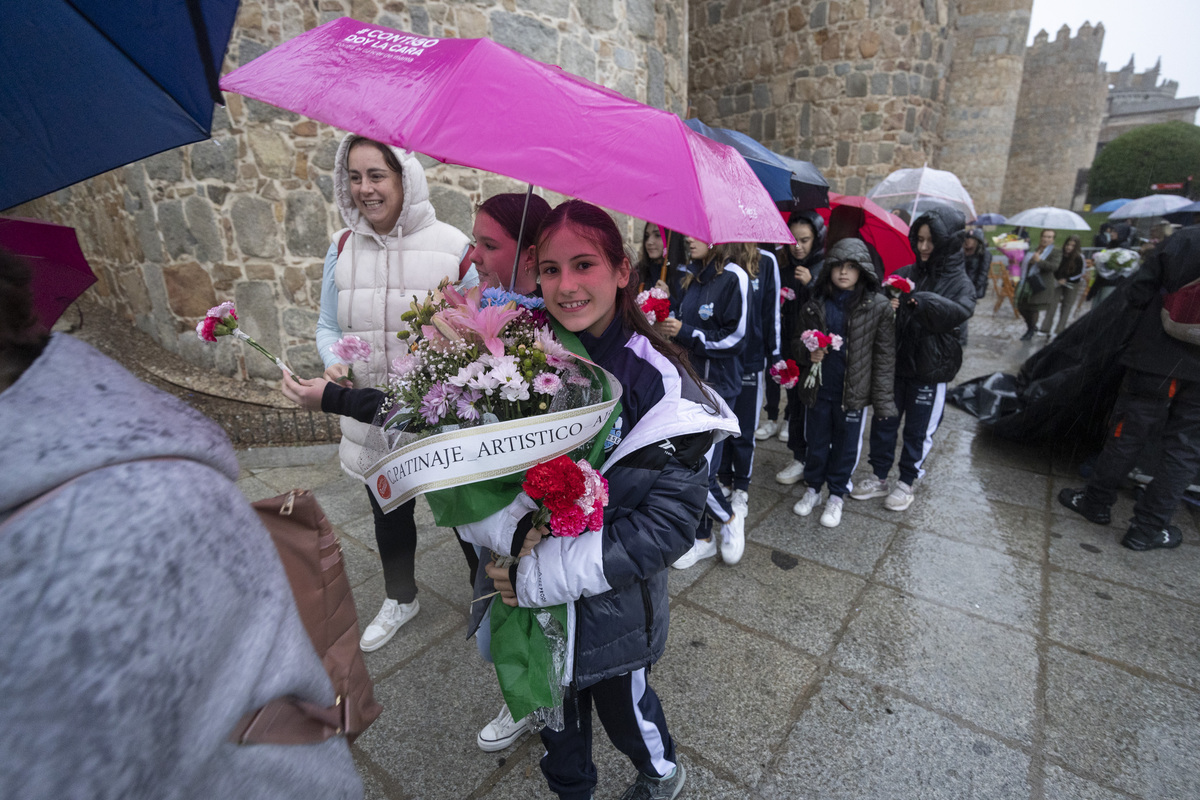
{"points": [[238, 333]]}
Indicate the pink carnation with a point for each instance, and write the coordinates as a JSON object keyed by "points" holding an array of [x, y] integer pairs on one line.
{"points": [[547, 383], [350, 348], [205, 328]]}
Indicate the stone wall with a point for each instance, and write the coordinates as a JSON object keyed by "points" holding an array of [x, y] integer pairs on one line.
{"points": [[248, 215], [981, 95], [1063, 92], [855, 86]]}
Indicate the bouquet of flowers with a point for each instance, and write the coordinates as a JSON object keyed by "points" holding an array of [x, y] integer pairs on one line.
{"points": [[349, 349], [786, 293], [896, 285], [785, 373], [815, 340], [222, 320], [1116, 263], [655, 303]]}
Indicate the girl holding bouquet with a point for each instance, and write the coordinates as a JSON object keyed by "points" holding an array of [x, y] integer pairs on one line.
{"points": [[710, 322], [615, 578], [845, 302]]}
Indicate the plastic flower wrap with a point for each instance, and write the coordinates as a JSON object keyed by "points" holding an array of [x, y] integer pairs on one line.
{"points": [[222, 320], [785, 373], [815, 340], [896, 285], [655, 304], [785, 294], [1116, 262]]}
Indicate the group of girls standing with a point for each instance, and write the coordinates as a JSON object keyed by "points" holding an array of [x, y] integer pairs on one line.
{"points": [[656, 468]]}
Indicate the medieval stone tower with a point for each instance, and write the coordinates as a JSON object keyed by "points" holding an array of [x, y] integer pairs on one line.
{"points": [[1063, 95]]}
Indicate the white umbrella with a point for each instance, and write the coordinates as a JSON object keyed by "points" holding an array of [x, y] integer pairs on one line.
{"points": [[915, 189], [1154, 205], [1060, 219]]}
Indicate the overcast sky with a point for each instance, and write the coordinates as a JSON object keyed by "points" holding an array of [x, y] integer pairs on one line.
{"points": [[1145, 29]]}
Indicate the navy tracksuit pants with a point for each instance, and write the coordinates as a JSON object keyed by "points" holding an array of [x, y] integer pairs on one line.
{"points": [[834, 445], [922, 406], [632, 717], [737, 457]]}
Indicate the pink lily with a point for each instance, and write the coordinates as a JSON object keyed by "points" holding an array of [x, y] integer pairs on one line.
{"points": [[487, 323]]}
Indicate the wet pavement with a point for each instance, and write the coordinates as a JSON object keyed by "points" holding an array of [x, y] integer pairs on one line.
{"points": [[986, 643]]}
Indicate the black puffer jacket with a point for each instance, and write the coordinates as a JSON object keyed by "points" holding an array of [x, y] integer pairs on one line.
{"points": [[927, 323], [870, 346], [1172, 265], [977, 265], [787, 280]]}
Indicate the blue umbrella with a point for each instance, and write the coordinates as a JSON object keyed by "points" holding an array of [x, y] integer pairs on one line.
{"points": [[788, 180], [991, 219], [1110, 206], [93, 84]]}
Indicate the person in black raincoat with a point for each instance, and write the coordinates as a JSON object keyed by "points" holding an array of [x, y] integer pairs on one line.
{"points": [[928, 353]]}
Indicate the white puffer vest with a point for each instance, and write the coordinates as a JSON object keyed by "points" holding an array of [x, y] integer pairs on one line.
{"points": [[378, 276]]}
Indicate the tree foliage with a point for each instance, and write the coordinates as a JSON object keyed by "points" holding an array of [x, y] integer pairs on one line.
{"points": [[1164, 153]]}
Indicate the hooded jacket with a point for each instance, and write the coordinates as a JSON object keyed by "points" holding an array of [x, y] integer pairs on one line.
{"points": [[615, 580], [145, 606], [928, 349], [1169, 267], [376, 277], [870, 341], [714, 311], [979, 264], [787, 279]]}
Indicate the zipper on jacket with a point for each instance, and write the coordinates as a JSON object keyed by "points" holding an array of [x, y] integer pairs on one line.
{"points": [[649, 615]]}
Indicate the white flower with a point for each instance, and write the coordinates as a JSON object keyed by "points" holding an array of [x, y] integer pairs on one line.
{"points": [[468, 374]]}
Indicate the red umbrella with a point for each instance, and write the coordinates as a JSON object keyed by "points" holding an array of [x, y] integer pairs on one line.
{"points": [[884, 231], [60, 272]]}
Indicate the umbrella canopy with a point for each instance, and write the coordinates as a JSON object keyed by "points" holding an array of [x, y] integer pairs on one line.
{"points": [[90, 85], [476, 103], [60, 272], [991, 219], [787, 180], [1110, 206], [878, 227], [1049, 217], [905, 188], [1154, 205]]}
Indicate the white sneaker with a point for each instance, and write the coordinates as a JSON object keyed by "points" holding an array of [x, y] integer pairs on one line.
{"points": [[783, 434], [767, 430], [790, 474], [386, 623], [900, 498], [700, 550], [740, 502], [870, 488], [832, 516], [805, 505], [502, 732], [733, 539]]}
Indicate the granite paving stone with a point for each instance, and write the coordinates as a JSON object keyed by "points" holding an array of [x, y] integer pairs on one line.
{"points": [[854, 546]]}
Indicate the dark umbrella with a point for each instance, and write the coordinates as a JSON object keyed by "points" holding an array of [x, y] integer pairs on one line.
{"points": [[90, 85], [60, 272], [792, 184]]}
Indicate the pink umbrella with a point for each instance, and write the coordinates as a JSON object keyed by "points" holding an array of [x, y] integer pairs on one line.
{"points": [[476, 103], [60, 272]]}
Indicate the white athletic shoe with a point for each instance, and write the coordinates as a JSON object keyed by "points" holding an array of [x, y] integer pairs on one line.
{"points": [[700, 550], [870, 488], [733, 539], [790, 474], [767, 430], [805, 505], [740, 502], [832, 516], [386, 623], [502, 732], [900, 498], [783, 433]]}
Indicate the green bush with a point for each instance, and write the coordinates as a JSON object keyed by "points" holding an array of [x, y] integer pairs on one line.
{"points": [[1164, 153]]}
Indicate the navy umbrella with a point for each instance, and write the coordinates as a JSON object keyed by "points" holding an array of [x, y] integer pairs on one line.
{"points": [[90, 85], [789, 181]]}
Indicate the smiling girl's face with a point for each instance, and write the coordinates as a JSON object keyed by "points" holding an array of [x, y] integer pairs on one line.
{"points": [[578, 283], [493, 254]]}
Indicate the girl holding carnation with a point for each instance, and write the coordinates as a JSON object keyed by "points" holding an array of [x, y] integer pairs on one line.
{"points": [[845, 302], [711, 310], [615, 579]]}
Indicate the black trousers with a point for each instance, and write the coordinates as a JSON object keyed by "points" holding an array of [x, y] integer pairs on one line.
{"points": [[737, 457], [396, 537], [632, 717], [1146, 403], [834, 445]]}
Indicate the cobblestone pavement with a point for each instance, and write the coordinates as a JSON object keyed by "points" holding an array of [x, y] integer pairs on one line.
{"points": [[983, 644]]}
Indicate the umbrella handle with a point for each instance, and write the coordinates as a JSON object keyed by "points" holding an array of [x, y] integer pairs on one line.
{"points": [[662, 275]]}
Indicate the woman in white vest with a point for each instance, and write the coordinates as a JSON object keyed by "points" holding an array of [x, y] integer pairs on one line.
{"points": [[393, 249]]}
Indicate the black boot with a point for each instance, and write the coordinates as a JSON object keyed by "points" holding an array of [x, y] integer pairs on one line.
{"points": [[1028, 335]]}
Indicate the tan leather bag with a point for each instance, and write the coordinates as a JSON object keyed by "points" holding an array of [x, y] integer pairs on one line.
{"points": [[312, 558]]}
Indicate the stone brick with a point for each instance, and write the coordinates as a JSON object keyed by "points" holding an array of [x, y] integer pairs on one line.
{"points": [[264, 112], [255, 227], [819, 15], [762, 95], [797, 19], [306, 128], [176, 236], [856, 85], [306, 224], [525, 35], [257, 308], [202, 224], [843, 153], [656, 94], [886, 152], [623, 58], [870, 122], [271, 152], [880, 82], [215, 159], [868, 44], [640, 16], [452, 207], [165, 166], [300, 323], [325, 154], [854, 185], [578, 59], [248, 50], [304, 360], [294, 281], [714, 13], [598, 15], [841, 69], [189, 289]]}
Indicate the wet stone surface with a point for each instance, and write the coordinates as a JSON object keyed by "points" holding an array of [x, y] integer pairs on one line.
{"points": [[986, 643]]}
